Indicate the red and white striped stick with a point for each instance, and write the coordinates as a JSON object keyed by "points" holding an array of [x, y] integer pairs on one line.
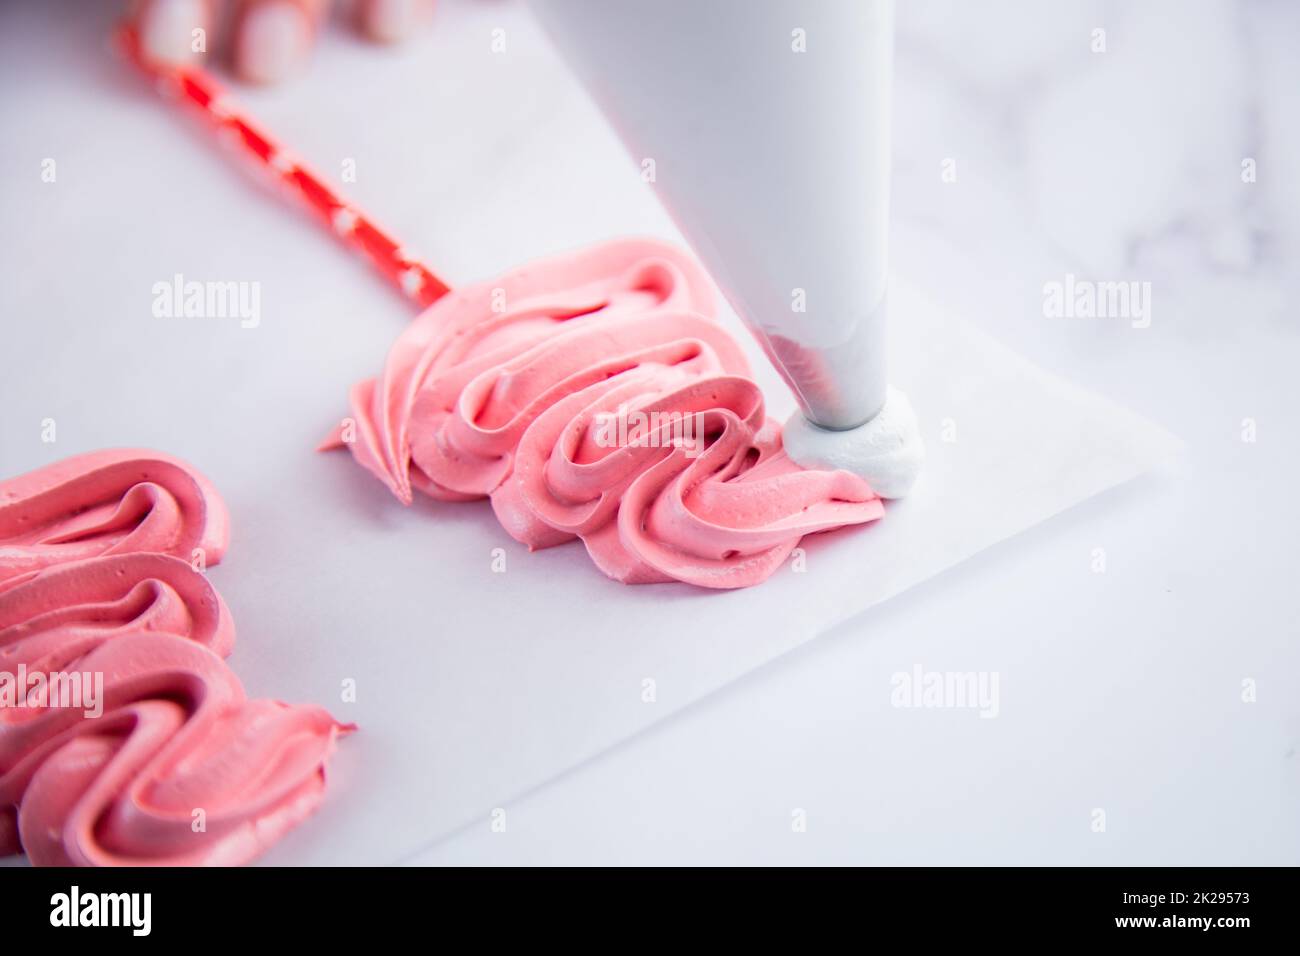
{"points": [[195, 88]]}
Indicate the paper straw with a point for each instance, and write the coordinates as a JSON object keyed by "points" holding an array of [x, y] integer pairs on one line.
{"points": [[192, 87]]}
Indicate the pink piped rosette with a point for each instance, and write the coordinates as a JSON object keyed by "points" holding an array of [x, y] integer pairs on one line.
{"points": [[501, 389]]}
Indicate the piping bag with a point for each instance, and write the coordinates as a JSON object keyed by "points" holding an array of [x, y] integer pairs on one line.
{"points": [[766, 125], [505, 389]]}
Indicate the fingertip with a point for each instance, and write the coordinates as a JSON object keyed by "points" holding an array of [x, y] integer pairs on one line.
{"points": [[273, 38], [390, 21], [173, 31]]}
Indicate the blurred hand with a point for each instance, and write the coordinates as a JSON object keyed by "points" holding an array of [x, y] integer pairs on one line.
{"points": [[264, 40]]}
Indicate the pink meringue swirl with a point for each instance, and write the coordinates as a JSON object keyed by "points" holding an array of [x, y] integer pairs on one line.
{"points": [[107, 502], [502, 389], [176, 735], [173, 732]]}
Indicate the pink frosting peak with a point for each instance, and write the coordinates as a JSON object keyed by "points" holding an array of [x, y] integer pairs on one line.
{"points": [[592, 395], [125, 739], [114, 501]]}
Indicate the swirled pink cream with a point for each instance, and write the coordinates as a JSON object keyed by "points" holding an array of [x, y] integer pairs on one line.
{"points": [[593, 396], [108, 502], [158, 757]]}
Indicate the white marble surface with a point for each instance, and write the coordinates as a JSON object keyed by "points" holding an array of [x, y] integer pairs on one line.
{"points": [[1117, 165]]}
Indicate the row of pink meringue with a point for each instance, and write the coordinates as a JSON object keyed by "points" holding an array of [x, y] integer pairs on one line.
{"points": [[501, 389], [98, 557]]}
